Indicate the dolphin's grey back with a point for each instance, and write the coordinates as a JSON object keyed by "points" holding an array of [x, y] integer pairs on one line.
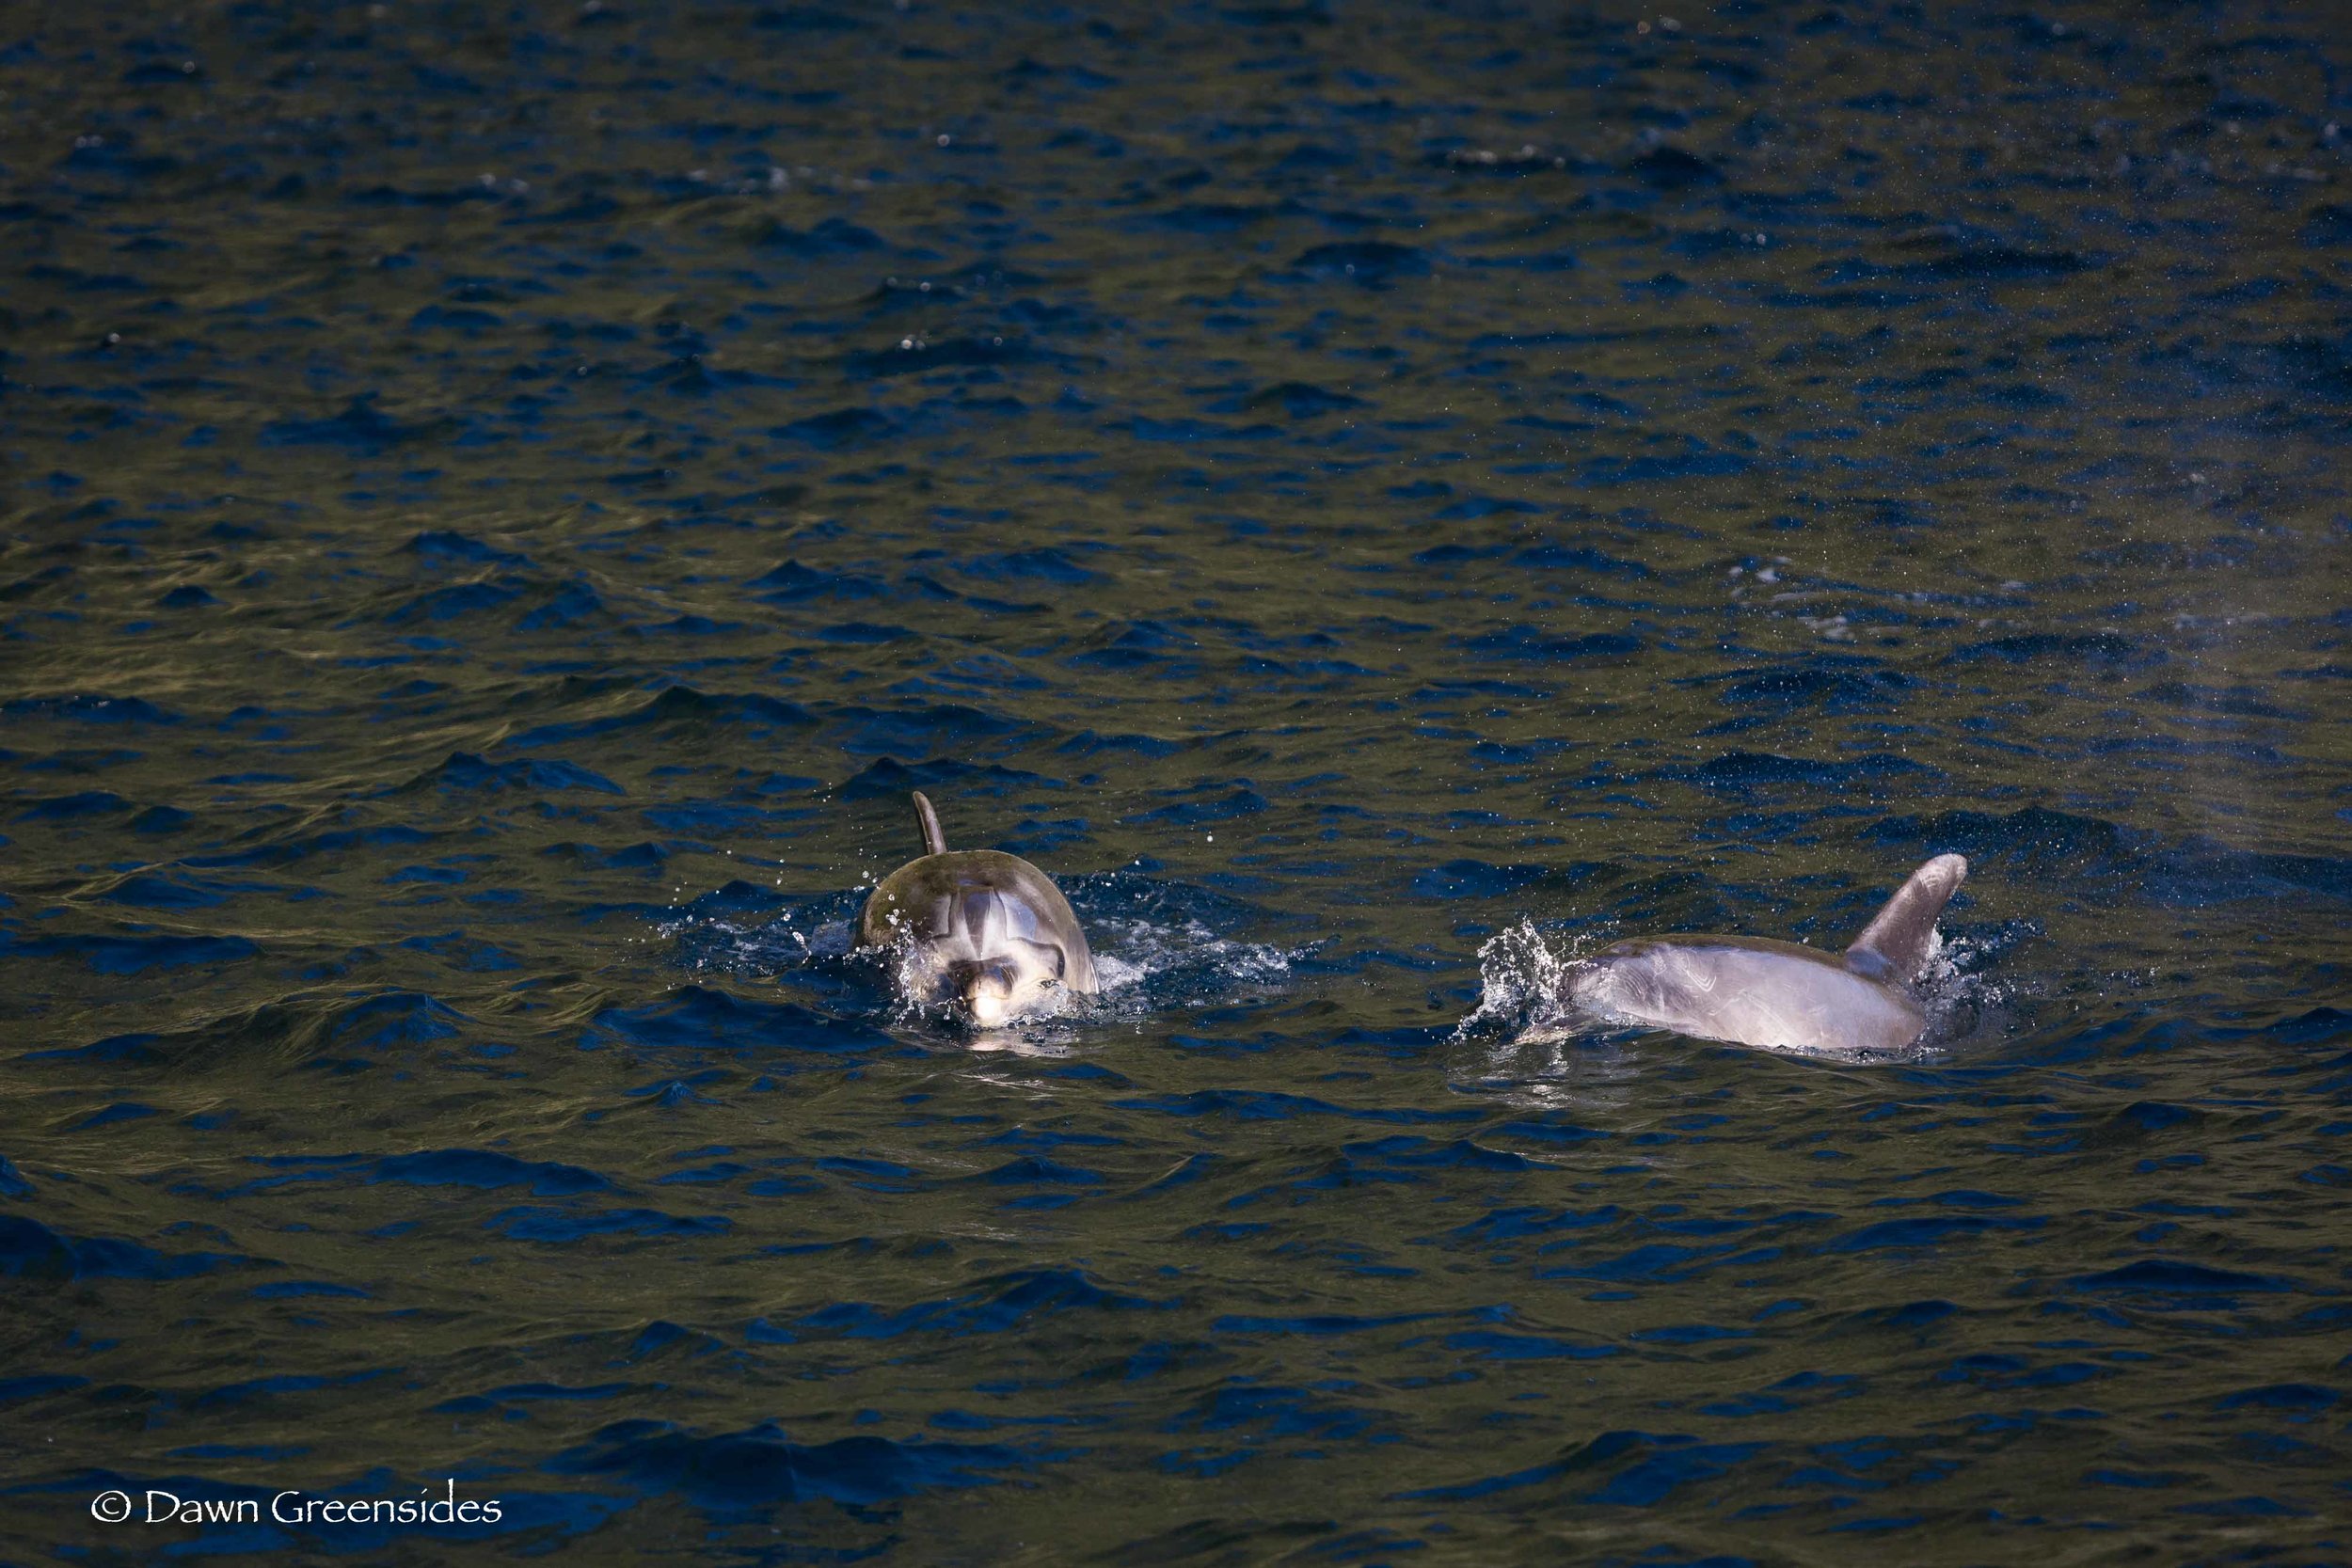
{"points": [[1756, 991], [1895, 946], [1747, 990]]}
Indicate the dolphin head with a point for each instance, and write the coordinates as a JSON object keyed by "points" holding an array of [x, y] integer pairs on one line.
{"points": [[992, 991], [979, 934], [977, 931]]}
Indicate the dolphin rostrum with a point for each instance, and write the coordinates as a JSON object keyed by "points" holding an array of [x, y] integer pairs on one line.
{"points": [[1753, 991], [976, 929]]}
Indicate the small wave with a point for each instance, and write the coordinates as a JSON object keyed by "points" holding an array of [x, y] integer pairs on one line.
{"points": [[760, 1468]]}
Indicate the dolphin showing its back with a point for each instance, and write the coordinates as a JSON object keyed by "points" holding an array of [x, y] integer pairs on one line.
{"points": [[978, 930], [1753, 991]]}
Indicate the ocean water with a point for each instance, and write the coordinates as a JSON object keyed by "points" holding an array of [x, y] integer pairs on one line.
{"points": [[504, 504]]}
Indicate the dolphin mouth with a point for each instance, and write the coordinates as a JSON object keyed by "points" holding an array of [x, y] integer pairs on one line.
{"points": [[984, 990], [966, 990]]}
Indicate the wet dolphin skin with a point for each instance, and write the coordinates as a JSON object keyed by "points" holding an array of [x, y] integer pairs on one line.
{"points": [[1754, 991], [977, 930]]}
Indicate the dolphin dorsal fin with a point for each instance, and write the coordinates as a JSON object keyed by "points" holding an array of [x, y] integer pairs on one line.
{"points": [[935, 842], [1893, 948]]}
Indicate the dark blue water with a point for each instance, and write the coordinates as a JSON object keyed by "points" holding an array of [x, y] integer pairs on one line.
{"points": [[504, 505]]}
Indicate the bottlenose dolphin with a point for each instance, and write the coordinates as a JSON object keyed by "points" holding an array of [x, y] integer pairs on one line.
{"points": [[976, 930], [1754, 991]]}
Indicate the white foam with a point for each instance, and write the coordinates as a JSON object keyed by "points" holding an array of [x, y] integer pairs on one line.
{"points": [[1144, 966], [1113, 974], [1523, 985]]}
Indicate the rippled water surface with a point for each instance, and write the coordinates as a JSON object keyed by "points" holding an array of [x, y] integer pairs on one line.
{"points": [[506, 502]]}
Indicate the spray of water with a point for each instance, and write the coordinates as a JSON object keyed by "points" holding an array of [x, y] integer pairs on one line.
{"points": [[1523, 985]]}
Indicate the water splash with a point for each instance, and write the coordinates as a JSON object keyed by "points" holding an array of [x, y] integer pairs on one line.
{"points": [[1965, 1003], [1149, 966], [1523, 985]]}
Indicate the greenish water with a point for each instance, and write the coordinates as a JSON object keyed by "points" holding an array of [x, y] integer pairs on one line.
{"points": [[1377, 500]]}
